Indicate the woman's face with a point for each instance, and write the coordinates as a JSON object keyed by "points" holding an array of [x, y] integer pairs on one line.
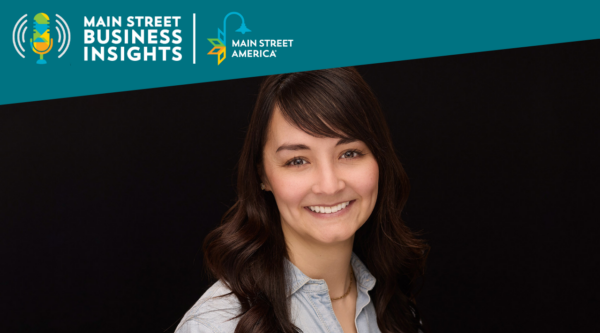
{"points": [[325, 188]]}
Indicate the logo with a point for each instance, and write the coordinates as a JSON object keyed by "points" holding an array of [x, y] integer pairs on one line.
{"points": [[219, 43], [41, 43]]}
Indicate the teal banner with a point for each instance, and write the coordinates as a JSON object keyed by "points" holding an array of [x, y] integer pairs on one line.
{"points": [[71, 48]]}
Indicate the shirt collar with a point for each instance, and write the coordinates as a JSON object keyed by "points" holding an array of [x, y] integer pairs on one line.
{"points": [[298, 279]]}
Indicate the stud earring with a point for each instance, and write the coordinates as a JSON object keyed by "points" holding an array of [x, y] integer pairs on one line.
{"points": [[262, 186]]}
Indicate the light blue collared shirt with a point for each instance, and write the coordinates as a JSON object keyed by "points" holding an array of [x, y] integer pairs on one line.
{"points": [[311, 309]]}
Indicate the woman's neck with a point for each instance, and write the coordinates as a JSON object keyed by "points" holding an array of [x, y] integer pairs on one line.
{"points": [[330, 262]]}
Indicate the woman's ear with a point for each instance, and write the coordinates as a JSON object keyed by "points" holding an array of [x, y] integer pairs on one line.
{"points": [[265, 185]]}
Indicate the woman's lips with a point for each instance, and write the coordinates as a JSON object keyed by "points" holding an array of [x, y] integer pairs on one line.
{"points": [[330, 215]]}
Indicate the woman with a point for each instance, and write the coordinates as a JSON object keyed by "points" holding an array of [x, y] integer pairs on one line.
{"points": [[319, 186]]}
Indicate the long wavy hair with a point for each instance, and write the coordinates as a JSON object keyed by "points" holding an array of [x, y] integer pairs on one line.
{"points": [[247, 250]]}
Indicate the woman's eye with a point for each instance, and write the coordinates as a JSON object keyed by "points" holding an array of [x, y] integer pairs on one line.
{"points": [[351, 154], [296, 162]]}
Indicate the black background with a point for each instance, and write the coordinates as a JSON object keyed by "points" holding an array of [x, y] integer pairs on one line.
{"points": [[105, 200]]}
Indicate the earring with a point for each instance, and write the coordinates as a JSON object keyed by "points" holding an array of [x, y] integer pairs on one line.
{"points": [[262, 186]]}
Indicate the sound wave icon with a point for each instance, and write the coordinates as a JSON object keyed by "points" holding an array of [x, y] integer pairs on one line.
{"points": [[62, 29]]}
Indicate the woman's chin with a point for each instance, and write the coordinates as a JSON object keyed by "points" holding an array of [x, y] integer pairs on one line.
{"points": [[334, 236]]}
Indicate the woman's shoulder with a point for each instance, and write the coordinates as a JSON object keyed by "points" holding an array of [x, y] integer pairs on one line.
{"points": [[212, 313]]}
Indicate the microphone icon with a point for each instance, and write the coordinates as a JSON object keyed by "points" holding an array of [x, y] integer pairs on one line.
{"points": [[41, 43]]}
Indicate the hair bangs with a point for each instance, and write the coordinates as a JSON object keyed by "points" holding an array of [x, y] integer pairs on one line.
{"points": [[320, 108]]}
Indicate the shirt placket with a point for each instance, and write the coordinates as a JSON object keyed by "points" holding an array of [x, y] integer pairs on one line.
{"points": [[362, 319], [319, 298]]}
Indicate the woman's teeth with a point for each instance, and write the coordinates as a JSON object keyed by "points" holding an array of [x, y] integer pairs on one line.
{"points": [[329, 210]]}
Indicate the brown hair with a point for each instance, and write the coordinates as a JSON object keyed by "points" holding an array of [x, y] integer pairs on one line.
{"points": [[248, 249]]}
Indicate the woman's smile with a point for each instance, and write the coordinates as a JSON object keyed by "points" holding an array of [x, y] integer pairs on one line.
{"points": [[323, 211]]}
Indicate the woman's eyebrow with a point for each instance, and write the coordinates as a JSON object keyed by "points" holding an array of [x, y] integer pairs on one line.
{"points": [[344, 141], [299, 146]]}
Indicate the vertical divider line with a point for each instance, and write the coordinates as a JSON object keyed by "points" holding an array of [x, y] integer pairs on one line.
{"points": [[194, 32]]}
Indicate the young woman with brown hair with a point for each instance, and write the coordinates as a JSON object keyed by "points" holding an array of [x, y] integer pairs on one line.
{"points": [[319, 186]]}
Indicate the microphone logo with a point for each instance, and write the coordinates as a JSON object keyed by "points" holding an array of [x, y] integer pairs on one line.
{"points": [[41, 43]]}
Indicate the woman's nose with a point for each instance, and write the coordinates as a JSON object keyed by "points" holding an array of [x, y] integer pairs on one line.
{"points": [[328, 180]]}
